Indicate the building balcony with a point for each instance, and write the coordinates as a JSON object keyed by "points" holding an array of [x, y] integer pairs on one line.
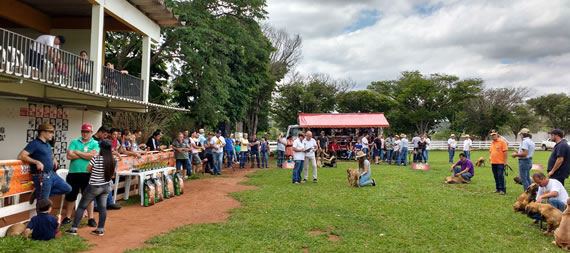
{"points": [[23, 58]]}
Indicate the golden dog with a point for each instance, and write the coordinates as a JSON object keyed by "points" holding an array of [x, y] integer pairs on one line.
{"points": [[455, 180], [526, 197], [18, 229], [353, 177], [480, 162], [562, 233], [552, 215]]}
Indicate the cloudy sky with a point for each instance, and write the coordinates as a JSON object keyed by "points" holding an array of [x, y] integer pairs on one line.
{"points": [[506, 43]]}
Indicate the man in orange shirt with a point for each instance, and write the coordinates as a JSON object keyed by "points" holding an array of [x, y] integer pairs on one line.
{"points": [[498, 157]]}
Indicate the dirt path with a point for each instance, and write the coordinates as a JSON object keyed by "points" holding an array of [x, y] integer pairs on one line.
{"points": [[203, 201]]}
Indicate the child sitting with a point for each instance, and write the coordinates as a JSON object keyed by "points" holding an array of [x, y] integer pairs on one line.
{"points": [[290, 164], [44, 226]]}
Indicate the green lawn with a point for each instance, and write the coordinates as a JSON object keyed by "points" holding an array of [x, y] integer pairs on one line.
{"points": [[408, 211]]}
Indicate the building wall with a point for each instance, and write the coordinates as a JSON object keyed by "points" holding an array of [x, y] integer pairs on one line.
{"points": [[17, 125]]}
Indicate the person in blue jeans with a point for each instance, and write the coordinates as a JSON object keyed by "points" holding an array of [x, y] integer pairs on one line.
{"points": [[364, 170], [229, 150], [551, 190], [403, 151], [264, 150], [525, 154], [299, 157], [39, 156], [464, 168], [389, 146], [451, 145], [281, 147], [254, 150]]}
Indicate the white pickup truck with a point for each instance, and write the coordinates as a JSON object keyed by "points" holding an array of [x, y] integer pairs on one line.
{"points": [[548, 144]]}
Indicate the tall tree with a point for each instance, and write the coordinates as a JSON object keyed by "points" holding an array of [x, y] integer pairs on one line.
{"points": [[491, 109], [363, 101], [521, 117], [422, 102], [555, 108]]}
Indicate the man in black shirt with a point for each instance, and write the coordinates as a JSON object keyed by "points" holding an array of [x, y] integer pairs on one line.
{"points": [[101, 134], [559, 161], [323, 143], [154, 141]]}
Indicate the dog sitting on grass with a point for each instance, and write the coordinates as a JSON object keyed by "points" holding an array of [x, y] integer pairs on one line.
{"points": [[552, 215], [480, 162], [562, 233], [353, 177], [526, 197]]}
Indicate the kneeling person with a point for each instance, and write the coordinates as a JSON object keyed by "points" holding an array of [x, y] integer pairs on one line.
{"points": [[551, 190], [463, 168]]}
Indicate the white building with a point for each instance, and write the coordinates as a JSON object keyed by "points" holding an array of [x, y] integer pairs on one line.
{"points": [[59, 87]]}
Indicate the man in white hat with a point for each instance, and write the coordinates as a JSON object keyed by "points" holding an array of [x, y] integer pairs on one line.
{"points": [[451, 145], [525, 154], [467, 145]]}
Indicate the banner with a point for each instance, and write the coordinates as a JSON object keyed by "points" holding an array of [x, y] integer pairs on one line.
{"points": [[420, 166], [15, 174], [14, 178]]}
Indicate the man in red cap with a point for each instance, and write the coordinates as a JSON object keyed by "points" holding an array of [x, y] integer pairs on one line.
{"points": [[80, 152]]}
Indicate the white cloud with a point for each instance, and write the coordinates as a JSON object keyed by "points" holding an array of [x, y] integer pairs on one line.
{"points": [[506, 43]]}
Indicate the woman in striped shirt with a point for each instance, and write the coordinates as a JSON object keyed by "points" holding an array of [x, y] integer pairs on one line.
{"points": [[102, 169]]}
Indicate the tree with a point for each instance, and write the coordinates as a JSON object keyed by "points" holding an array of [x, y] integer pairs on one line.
{"points": [[422, 102], [313, 94], [363, 101], [491, 109], [555, 108], [521, 117]]}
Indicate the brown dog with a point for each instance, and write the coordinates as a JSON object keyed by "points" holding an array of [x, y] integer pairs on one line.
{"points": [[526, 197], [455, 180], [353, 177], [17, 230], [552, 215], [480, 162], [562, 233]]}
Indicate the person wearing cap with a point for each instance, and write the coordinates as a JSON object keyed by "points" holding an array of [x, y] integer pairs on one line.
{"points": [[218, 143], [80, 152], [38, 154], [229, 150], [451, 145], [364, 170], [559, 160], [467, 145], [525, 154], [498, 158], [403, 150]]}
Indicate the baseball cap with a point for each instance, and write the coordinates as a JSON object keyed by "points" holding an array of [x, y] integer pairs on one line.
{"points": [[493, 132], [557, 132], [524, 131], [219, 131], [452, 135], [87, 127]]}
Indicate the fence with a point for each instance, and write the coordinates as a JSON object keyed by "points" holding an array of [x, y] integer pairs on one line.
{"points": [[21, 56], [119, 83]]}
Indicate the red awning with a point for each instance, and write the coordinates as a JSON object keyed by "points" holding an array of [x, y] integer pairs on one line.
{"points": [[343, 120]]}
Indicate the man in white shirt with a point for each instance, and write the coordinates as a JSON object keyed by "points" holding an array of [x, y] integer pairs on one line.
{"points": [[219, 142], [365, 148], [310, 146], [415, 141], [299, 157], [451, 145], [550, 189], [467, 145], [45, 44]]}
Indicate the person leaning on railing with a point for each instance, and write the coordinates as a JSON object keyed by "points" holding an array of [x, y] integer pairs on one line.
{"points": [[83, 70], [111, 79]]}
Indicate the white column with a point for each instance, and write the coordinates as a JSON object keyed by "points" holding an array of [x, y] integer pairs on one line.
{"points": [[96, 49], [145, 65]]}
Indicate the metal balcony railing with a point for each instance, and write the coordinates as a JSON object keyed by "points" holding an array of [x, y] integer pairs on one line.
{"points": [[119, 83], [21, 56]]}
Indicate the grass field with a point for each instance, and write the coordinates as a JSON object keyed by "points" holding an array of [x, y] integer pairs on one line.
{"points": [[408, 211]]}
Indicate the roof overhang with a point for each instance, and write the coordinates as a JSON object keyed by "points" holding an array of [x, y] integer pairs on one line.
{"points": [[342, 120]]}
